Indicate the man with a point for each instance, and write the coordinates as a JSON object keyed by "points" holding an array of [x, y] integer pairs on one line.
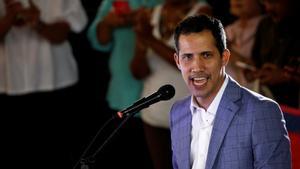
{"points": [[222, 125]]}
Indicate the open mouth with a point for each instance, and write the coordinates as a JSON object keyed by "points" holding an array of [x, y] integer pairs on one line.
{"points": [[199, 81]]}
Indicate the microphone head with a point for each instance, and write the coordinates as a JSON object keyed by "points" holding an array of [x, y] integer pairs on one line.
{"points": [[167, 92]]}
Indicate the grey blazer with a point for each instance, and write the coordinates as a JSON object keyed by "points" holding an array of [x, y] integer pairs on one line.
{"points": [[248, 132]]}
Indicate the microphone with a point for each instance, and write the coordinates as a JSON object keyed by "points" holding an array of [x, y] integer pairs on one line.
{"points": [[165, 92]]}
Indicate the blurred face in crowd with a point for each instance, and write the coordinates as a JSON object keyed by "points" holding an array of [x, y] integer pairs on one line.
{"points": [[245, 8], [277, 9], [201, 65]]}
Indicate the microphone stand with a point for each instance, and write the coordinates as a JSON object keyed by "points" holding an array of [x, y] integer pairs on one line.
{"points": [[87, 161], [164, 93]]}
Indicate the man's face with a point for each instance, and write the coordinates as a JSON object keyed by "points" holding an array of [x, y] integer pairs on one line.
{"points": [[277, 9], [245, 8], [201, 65]]}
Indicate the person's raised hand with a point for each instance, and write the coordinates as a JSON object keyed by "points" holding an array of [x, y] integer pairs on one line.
{"points": [[13, 9], [115, 20]]}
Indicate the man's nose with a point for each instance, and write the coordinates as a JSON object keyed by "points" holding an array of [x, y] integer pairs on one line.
{"points": [[198, 64]]}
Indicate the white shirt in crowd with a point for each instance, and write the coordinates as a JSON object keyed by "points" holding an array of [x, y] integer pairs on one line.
{"points": [[29, 63]]}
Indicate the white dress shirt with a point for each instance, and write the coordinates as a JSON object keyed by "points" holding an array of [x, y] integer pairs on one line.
{"points": [[202, 124]]}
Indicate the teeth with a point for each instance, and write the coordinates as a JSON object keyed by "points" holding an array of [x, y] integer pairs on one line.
{"points": [[199, 78], [199, 81]]}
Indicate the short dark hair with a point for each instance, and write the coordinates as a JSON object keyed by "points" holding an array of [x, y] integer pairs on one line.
{"points": [[199, 23]]}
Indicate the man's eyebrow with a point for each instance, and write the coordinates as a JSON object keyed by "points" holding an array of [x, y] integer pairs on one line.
{"points": [[185, 54]]}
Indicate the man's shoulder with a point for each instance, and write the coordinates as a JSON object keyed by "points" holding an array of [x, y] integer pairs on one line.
{"points": [[249, 97], [250, 104], [184, 101], [180, 105], [254, 96]]}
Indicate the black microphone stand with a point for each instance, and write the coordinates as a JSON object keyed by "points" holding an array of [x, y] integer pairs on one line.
{"points": [[164, 93], [87, 161]]}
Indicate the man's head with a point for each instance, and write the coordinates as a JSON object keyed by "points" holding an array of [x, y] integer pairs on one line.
{"points": [[245, 8], [280, 9], [201, 55], [196, 24]]}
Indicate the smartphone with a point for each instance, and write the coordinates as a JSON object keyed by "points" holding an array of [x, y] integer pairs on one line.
{"points": [[121, 7]]}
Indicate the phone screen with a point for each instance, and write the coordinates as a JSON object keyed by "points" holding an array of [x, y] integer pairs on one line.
{"points": [[121, 7]]}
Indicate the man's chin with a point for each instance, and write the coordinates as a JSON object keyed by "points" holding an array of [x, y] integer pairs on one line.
{"points": [[198, 94]]}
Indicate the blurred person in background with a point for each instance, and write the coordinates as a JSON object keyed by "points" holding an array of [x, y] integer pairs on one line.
{"points": [[276, 50], [38, 74], [221, 10], [112, 31], [241, 37], [276, 55]]}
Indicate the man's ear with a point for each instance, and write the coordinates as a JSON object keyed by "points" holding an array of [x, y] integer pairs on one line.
{"points": [[176, 58], [225, 57]]}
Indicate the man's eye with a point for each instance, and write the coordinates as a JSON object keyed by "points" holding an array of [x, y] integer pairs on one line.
{"points": [[187, 56], [206, 55]]}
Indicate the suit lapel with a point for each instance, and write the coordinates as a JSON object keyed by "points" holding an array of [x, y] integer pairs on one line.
{"points": [[225, 113], [186, 141], [183, 138]]}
